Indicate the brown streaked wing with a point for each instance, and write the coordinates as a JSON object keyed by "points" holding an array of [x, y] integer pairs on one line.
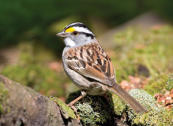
{"points": [[91, 61]]}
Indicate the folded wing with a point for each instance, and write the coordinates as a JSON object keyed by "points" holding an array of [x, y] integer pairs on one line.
{"points": [[91, 62]]}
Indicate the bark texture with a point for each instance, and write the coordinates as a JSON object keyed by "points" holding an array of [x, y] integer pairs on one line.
{"points": [[22, 106]]}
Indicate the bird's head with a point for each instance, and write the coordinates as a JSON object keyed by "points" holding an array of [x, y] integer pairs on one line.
{"points": [[76, 34]]}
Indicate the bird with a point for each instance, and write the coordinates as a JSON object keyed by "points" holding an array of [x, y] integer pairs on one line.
{"points": [[90, 68]]}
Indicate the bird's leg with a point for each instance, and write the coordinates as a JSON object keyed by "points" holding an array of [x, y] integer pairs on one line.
{"points": [[83, 94]]}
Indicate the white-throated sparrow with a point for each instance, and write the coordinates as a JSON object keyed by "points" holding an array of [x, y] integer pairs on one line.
{"points": [[89, 67]]}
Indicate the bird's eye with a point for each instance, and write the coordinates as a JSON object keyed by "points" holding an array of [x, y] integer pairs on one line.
{"points": [[87, 35], [75, 33]]}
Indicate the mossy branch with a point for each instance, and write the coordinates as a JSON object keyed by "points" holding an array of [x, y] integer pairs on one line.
{"points": [[20, 105]]}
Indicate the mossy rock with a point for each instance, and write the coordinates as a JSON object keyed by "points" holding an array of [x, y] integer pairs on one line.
{"points": [[156, 116], [65, 109], [119, 105], [161, 117], [144, 99], [93, 110]]}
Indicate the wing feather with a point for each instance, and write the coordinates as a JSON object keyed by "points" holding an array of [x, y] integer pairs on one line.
{"points": [[92, 62]]}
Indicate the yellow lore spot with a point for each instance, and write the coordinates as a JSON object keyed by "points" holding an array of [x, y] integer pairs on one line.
{"points": [[70, 29]]}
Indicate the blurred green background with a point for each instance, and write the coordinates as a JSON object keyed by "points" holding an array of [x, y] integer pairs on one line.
{"points": [[32, 20], [30, 52]]}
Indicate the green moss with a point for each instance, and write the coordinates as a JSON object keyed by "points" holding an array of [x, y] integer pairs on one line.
{"points": [[154, 118], [141, 96], [144, 99], [67, 111], [150, 49], [159, 84], [118, 104], [3, 96], [93, 110]]}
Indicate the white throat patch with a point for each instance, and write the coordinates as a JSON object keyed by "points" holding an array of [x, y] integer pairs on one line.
{"points": [[69, 42]]}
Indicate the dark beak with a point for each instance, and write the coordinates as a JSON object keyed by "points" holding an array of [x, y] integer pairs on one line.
{"points": [[61, 34]]}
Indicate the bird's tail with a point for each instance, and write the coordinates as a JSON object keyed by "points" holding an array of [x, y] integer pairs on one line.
{"points": [[136, 106]]}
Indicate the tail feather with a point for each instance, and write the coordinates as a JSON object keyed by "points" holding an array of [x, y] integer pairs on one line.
{"points": [[135, 105]]}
